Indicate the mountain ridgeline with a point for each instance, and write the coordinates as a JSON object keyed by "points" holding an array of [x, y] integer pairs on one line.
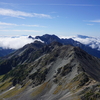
{"points": [[53, 38], [49, 71], [48, 39]]}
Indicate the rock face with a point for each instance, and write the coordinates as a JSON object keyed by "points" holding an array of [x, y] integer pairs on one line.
{"points": [[50, 72]]}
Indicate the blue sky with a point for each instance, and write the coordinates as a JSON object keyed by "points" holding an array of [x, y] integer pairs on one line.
{"points": [[59, 17]]}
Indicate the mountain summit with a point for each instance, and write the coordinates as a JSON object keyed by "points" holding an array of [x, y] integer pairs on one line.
{"points": [[54, 72]]}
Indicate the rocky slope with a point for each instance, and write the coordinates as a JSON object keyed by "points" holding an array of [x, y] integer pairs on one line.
{"points": [[50, 72]]}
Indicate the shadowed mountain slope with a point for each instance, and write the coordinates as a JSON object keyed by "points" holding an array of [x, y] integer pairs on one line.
{"points": [[51, 72], [4, 52], [26, 54]]}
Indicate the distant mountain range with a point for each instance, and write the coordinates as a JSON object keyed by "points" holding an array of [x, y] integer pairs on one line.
{"points": [[4, 52], [50, 71], [90, 44]]}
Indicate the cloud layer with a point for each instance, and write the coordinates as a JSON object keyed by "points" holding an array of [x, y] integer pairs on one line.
{"points": [[95, 21], [14, 42], [93, 42]]}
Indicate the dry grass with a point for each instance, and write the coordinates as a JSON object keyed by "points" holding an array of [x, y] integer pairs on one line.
{"points": [[39, 89], [1, 76], [72, 86], [75, 97], [5, 85], [14, 91], [58, 89]]}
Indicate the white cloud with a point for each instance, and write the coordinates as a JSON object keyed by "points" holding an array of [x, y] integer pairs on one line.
{"points": [[3, 27], [93, 21], [20, 14], [90, 24], [96, 21], [7, 24], [14, 42], [20, 30], [11, 24], [31, 25], [93, 42]]}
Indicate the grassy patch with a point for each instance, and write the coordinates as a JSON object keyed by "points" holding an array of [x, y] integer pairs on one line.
{"points": [[58, 89], [14, 91], [1, 76], [5, 85], [39, 89], [72, 86], [76, 97], [82, 78]]}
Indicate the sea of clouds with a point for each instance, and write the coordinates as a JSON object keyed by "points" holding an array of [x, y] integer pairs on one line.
{"points": [[93, 42], [14, 42]]}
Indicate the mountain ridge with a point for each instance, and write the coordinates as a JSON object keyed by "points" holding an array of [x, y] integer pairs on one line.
{"points": [[92, 48], [71, 41], [58, 72]]}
